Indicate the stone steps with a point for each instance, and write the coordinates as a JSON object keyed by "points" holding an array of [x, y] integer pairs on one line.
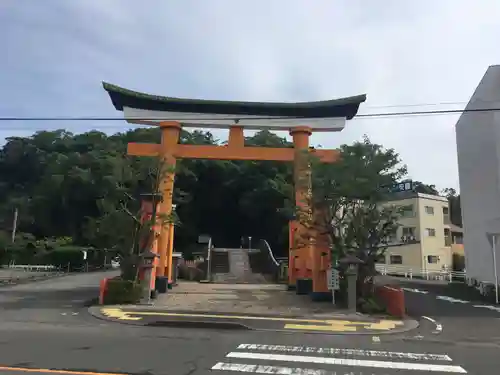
{"points": [[239, 269]]}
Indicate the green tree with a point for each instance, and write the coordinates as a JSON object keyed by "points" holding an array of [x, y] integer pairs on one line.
{"points": [[350, 200], [420, 187]]}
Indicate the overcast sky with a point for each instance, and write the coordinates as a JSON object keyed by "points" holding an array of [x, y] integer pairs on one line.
{"points": [[402, 54]]}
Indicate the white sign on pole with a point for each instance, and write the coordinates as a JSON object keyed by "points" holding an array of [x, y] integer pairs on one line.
{"points": [[333, 279], [84, 254]]}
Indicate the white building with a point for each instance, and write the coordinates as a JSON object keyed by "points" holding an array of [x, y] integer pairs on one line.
{"points": [[478, 147]]}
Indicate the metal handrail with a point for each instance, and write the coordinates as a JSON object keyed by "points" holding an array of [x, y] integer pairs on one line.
{"points": [[411, 272], [271, 253]]}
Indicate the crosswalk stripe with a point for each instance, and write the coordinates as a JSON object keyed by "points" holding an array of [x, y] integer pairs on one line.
{"points": [[278, 370], [347, 362], [339, 351]]}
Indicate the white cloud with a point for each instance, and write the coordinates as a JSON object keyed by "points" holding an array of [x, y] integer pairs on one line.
{"points": [[398, 52]]}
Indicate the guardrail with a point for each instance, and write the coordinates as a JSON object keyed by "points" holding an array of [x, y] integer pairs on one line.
{"points": [[411, 272], [32, 268]]}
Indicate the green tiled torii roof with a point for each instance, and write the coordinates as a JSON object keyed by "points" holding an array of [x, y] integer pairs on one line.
{"points": [[344, 107]]}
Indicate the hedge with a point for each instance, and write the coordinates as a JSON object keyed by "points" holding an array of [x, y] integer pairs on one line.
{"points": [[119, 291]]}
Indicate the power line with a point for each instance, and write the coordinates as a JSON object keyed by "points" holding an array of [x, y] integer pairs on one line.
{"points": [[208, 118]]}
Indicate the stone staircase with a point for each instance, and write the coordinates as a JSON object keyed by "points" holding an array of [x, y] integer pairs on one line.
{"points": [[239, 271]]}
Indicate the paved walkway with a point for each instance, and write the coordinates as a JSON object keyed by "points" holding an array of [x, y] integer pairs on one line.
{"points": [[257, 299], [260, 307]]}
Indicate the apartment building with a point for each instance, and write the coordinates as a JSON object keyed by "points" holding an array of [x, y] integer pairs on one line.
{"points": [[424, 240]]}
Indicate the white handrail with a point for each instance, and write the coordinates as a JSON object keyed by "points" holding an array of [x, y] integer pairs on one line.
{"points": [[410, 272], [271, 253]]}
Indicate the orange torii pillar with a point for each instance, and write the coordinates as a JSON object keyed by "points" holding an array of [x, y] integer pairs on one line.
{"points": [[305, 259], [146, 213], [302, 244], [170, 132]]}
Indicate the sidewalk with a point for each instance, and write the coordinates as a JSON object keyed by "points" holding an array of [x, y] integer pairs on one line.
{"points": [[248, 306]]}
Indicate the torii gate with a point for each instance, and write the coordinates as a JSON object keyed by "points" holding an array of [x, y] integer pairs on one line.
{"points": [[323, 116]]}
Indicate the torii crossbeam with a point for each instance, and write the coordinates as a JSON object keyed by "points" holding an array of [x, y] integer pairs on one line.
{"points": [[173, 113]]}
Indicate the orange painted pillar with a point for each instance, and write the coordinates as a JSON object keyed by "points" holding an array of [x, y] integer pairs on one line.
{"points": [[236, 137], [147, 208], [321, 259], [292, 275], [302, 182], [170, 132]]}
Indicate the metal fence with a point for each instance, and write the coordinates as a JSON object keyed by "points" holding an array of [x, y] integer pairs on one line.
{"points": [[13, 274], [427, 274]]}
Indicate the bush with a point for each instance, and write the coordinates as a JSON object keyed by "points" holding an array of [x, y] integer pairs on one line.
{"points": [[119, 291], [64, 255], [370, 306]]}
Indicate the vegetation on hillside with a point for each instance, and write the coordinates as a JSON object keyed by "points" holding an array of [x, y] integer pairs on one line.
{"points": [[74, 186]]}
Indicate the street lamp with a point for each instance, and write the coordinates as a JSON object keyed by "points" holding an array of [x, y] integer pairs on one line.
{"points": [[351, 262], [249, 242]]}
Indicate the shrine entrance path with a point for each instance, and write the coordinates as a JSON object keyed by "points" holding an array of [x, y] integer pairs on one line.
{"points": [[249, 306]]}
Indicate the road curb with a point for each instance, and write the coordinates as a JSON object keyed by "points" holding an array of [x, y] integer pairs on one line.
{"points": [[258, 323], [28, 280]]}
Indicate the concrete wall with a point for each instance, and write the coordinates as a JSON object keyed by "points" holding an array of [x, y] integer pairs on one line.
{"points": [[478, 140], [411, 255]]}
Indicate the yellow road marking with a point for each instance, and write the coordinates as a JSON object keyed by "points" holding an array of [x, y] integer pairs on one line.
{"points": [[330, 328], [291, 323], [53, 371], [119, 314], [346, 326]]}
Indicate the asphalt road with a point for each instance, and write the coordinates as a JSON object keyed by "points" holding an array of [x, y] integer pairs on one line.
{"points": [[461, 318], [44, 328]]}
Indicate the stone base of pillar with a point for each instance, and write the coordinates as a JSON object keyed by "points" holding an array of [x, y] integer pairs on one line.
{"points": [[321, 296], [304, 286]]}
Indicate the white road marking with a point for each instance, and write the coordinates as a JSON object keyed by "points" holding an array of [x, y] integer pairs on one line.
{"points": [[439, 327], [63, 313], [376, 339], [338, 351], [279, 370], [415, 290], [75, 313], [348, 362], [451, 299], [494, 308]]}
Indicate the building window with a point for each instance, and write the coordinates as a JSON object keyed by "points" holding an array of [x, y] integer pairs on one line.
{"points": [[392, 237], [446, 215], [407, 211], [429, 210], [430, 232], [432, 259], [447, 237], [408, 231], [408, 235], [396, 259]]}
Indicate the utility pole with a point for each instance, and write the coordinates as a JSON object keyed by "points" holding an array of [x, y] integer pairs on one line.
{"points": [[14, 224]]}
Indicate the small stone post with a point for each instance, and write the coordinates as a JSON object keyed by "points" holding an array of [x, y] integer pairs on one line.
{"points": [[148, 258], [352, 262]]}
